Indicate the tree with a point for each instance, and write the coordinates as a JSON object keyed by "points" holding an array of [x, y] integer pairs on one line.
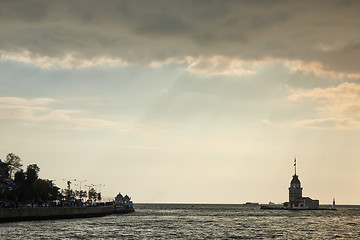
{"points": [[41, 189], [14, 163], [20, 182], [4, 170], [54, 192], [82, 194], [32, 173], [69, 194], [92, 194], [19, 177]]}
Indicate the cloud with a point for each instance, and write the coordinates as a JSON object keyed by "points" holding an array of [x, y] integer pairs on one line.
{"points": [[340, 103], [266, 121], [318, 70], [331, 123], [145, 148], [213, 65], [39, 111], [19, 108], [75, 33], [341, 100], [69, 61], [220, 65]]}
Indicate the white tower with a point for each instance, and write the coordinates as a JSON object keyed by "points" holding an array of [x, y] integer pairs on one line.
{"points": [[333, 206]]}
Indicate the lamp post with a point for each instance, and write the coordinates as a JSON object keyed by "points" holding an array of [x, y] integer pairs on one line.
{"points": [[100, 185], [80, 181], [89, 186], [68, 182]]}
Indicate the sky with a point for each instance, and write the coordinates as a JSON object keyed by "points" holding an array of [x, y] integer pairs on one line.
{"points": [[185, 101]]}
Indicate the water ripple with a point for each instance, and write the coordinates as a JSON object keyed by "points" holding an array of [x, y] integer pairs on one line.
{"points": [[171, 221]]}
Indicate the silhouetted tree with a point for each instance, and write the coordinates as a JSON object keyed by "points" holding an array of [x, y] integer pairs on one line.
{"points": [[41, 189], [14, 163], [19, 178], [92, 194], [28, 193], [4, 170], [54, 193], [32, 172], [25, 186], [82, 194], [68, 193]]}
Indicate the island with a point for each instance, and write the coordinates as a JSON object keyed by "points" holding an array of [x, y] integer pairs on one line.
{"points": [[296, 200]]}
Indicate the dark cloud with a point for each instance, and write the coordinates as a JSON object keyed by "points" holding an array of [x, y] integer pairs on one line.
{"points": [[344, 59], [142, 31]]}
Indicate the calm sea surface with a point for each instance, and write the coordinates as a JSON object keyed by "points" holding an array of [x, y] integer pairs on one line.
{"points": [[182, 221]]}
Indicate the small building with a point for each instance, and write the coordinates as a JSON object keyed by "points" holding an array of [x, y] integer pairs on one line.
{"points": [[119, 199], [123, 202], [126, 199]]}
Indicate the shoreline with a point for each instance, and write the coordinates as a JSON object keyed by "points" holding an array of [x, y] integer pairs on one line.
{"points": [[51, 213]]}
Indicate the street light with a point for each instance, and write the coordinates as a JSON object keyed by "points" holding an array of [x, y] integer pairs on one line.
{"points": [[89, 186], [100, 185], [80, 181], [68, 182]]}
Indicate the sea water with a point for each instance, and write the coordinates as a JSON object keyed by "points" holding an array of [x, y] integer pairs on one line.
{"points": [[197, 221]]}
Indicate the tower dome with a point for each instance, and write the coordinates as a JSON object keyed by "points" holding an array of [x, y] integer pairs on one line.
{"points": [[295, 182]]}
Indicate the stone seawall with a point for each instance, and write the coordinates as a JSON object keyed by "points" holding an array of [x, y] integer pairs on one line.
{"points": [[44, 213]]}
